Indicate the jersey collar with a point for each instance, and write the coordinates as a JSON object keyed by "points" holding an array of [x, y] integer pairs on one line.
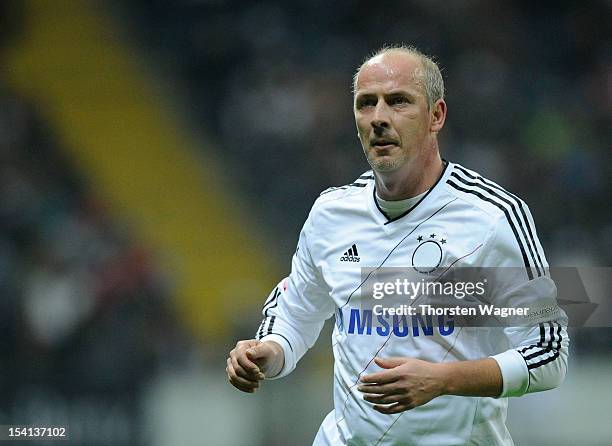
{"points": [[408, 211]]}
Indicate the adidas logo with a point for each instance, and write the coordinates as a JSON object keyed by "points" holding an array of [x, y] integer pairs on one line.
{"points": [[351, 255]]}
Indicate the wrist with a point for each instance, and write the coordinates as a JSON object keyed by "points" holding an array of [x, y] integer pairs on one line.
{"points": [[445, 378], [277, 359]]}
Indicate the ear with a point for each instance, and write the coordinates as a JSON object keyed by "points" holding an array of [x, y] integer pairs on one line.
{"points": [[438, 115]]}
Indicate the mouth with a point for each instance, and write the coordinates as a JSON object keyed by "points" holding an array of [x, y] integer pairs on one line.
{"points": [[383, 143]]}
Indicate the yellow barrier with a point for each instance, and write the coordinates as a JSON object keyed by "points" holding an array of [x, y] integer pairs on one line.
{"points": [[98, 98]]}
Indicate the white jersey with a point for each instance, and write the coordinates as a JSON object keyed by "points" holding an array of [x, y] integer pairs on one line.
{"points": [[473, 222]]}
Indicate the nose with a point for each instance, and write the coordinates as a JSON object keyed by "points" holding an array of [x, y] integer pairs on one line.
{"points": [[380, 118]]}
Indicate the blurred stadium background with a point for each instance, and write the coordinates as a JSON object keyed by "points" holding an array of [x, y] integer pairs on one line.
{"points": [[157, 160]]}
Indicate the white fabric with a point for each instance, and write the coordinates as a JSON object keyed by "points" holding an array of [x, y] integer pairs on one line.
{"points": [[514, 372], [345, 223]]}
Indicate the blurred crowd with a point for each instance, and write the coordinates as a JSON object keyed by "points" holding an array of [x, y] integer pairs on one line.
{"points": [[85, 321], [529, 91]]}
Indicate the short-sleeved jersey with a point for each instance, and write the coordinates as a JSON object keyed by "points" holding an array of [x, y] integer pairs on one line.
{"points": [[464, 220]]}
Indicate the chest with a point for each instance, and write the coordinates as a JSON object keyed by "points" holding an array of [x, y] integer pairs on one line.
{"points": [[347, 252]]}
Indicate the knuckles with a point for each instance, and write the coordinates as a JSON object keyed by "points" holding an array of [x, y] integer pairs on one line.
{"points": [[244, 344], [232, 364]]}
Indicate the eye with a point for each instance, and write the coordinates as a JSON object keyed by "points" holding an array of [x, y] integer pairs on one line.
{"points": [[399, 100], [366, 102]]}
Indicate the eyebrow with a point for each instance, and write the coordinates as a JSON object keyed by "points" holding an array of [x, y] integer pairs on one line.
{"points": [[391, 93]]}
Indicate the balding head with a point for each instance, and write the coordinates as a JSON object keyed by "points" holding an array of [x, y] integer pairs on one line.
{"points": [[425, 71]]}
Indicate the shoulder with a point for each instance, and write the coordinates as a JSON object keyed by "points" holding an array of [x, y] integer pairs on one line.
{"points": [[347, 192], [512, 229], [491, 199], [339, 204]]}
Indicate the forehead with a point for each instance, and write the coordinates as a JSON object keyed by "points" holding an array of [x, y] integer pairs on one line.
{"points": [[390, 71]]}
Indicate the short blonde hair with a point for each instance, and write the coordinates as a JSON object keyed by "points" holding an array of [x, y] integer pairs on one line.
{"points": [[431, 76]]}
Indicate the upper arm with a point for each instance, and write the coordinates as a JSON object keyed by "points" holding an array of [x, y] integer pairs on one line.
{"points": [[519, 278]]}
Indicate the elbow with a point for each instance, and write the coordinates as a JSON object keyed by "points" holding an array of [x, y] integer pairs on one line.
{"points": [[561, 372], [560, 364], [549, 377]]}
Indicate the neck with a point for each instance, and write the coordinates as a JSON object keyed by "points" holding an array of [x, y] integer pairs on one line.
{"points": [[411, 180]]}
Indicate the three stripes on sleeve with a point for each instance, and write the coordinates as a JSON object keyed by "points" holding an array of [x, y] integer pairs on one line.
{"points": [[546, 349], [267, 324], [513, 208]]}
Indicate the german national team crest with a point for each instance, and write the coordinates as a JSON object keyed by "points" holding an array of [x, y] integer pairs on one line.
{"points": [[427, 256]]}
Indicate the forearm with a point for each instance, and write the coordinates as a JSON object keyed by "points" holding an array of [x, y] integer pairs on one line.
{"points": [[480, 377], [406, 383], [293, 322]]}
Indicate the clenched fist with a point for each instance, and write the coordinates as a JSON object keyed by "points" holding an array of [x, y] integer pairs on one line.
{"points": [[252, 361]]}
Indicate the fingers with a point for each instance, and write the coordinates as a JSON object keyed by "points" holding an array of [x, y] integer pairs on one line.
{"points": [[243, 373], [255, 353], [386, 389], [239, 370], [393, 401], [239, 382], [393, 408], [384, 399], [389, 363], [385, 377], [243, 358], [244, 367]]}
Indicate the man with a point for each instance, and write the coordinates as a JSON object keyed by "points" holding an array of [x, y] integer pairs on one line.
{"points": [[399, 382]]}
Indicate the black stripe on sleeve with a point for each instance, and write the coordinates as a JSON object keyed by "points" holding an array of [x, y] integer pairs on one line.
{"points": [[346, 186], [484, 180], [512, 205], [544, 361], [506, 213], [261, 328], [273, 303], [549, 348], [552, 335], [331, 189], [271, 324], [260, 334], [271, 298], [540, 342], [536, 354], [519, 203]]}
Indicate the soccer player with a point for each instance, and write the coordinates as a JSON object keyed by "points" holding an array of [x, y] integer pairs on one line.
{"points": [[399, 380]]}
